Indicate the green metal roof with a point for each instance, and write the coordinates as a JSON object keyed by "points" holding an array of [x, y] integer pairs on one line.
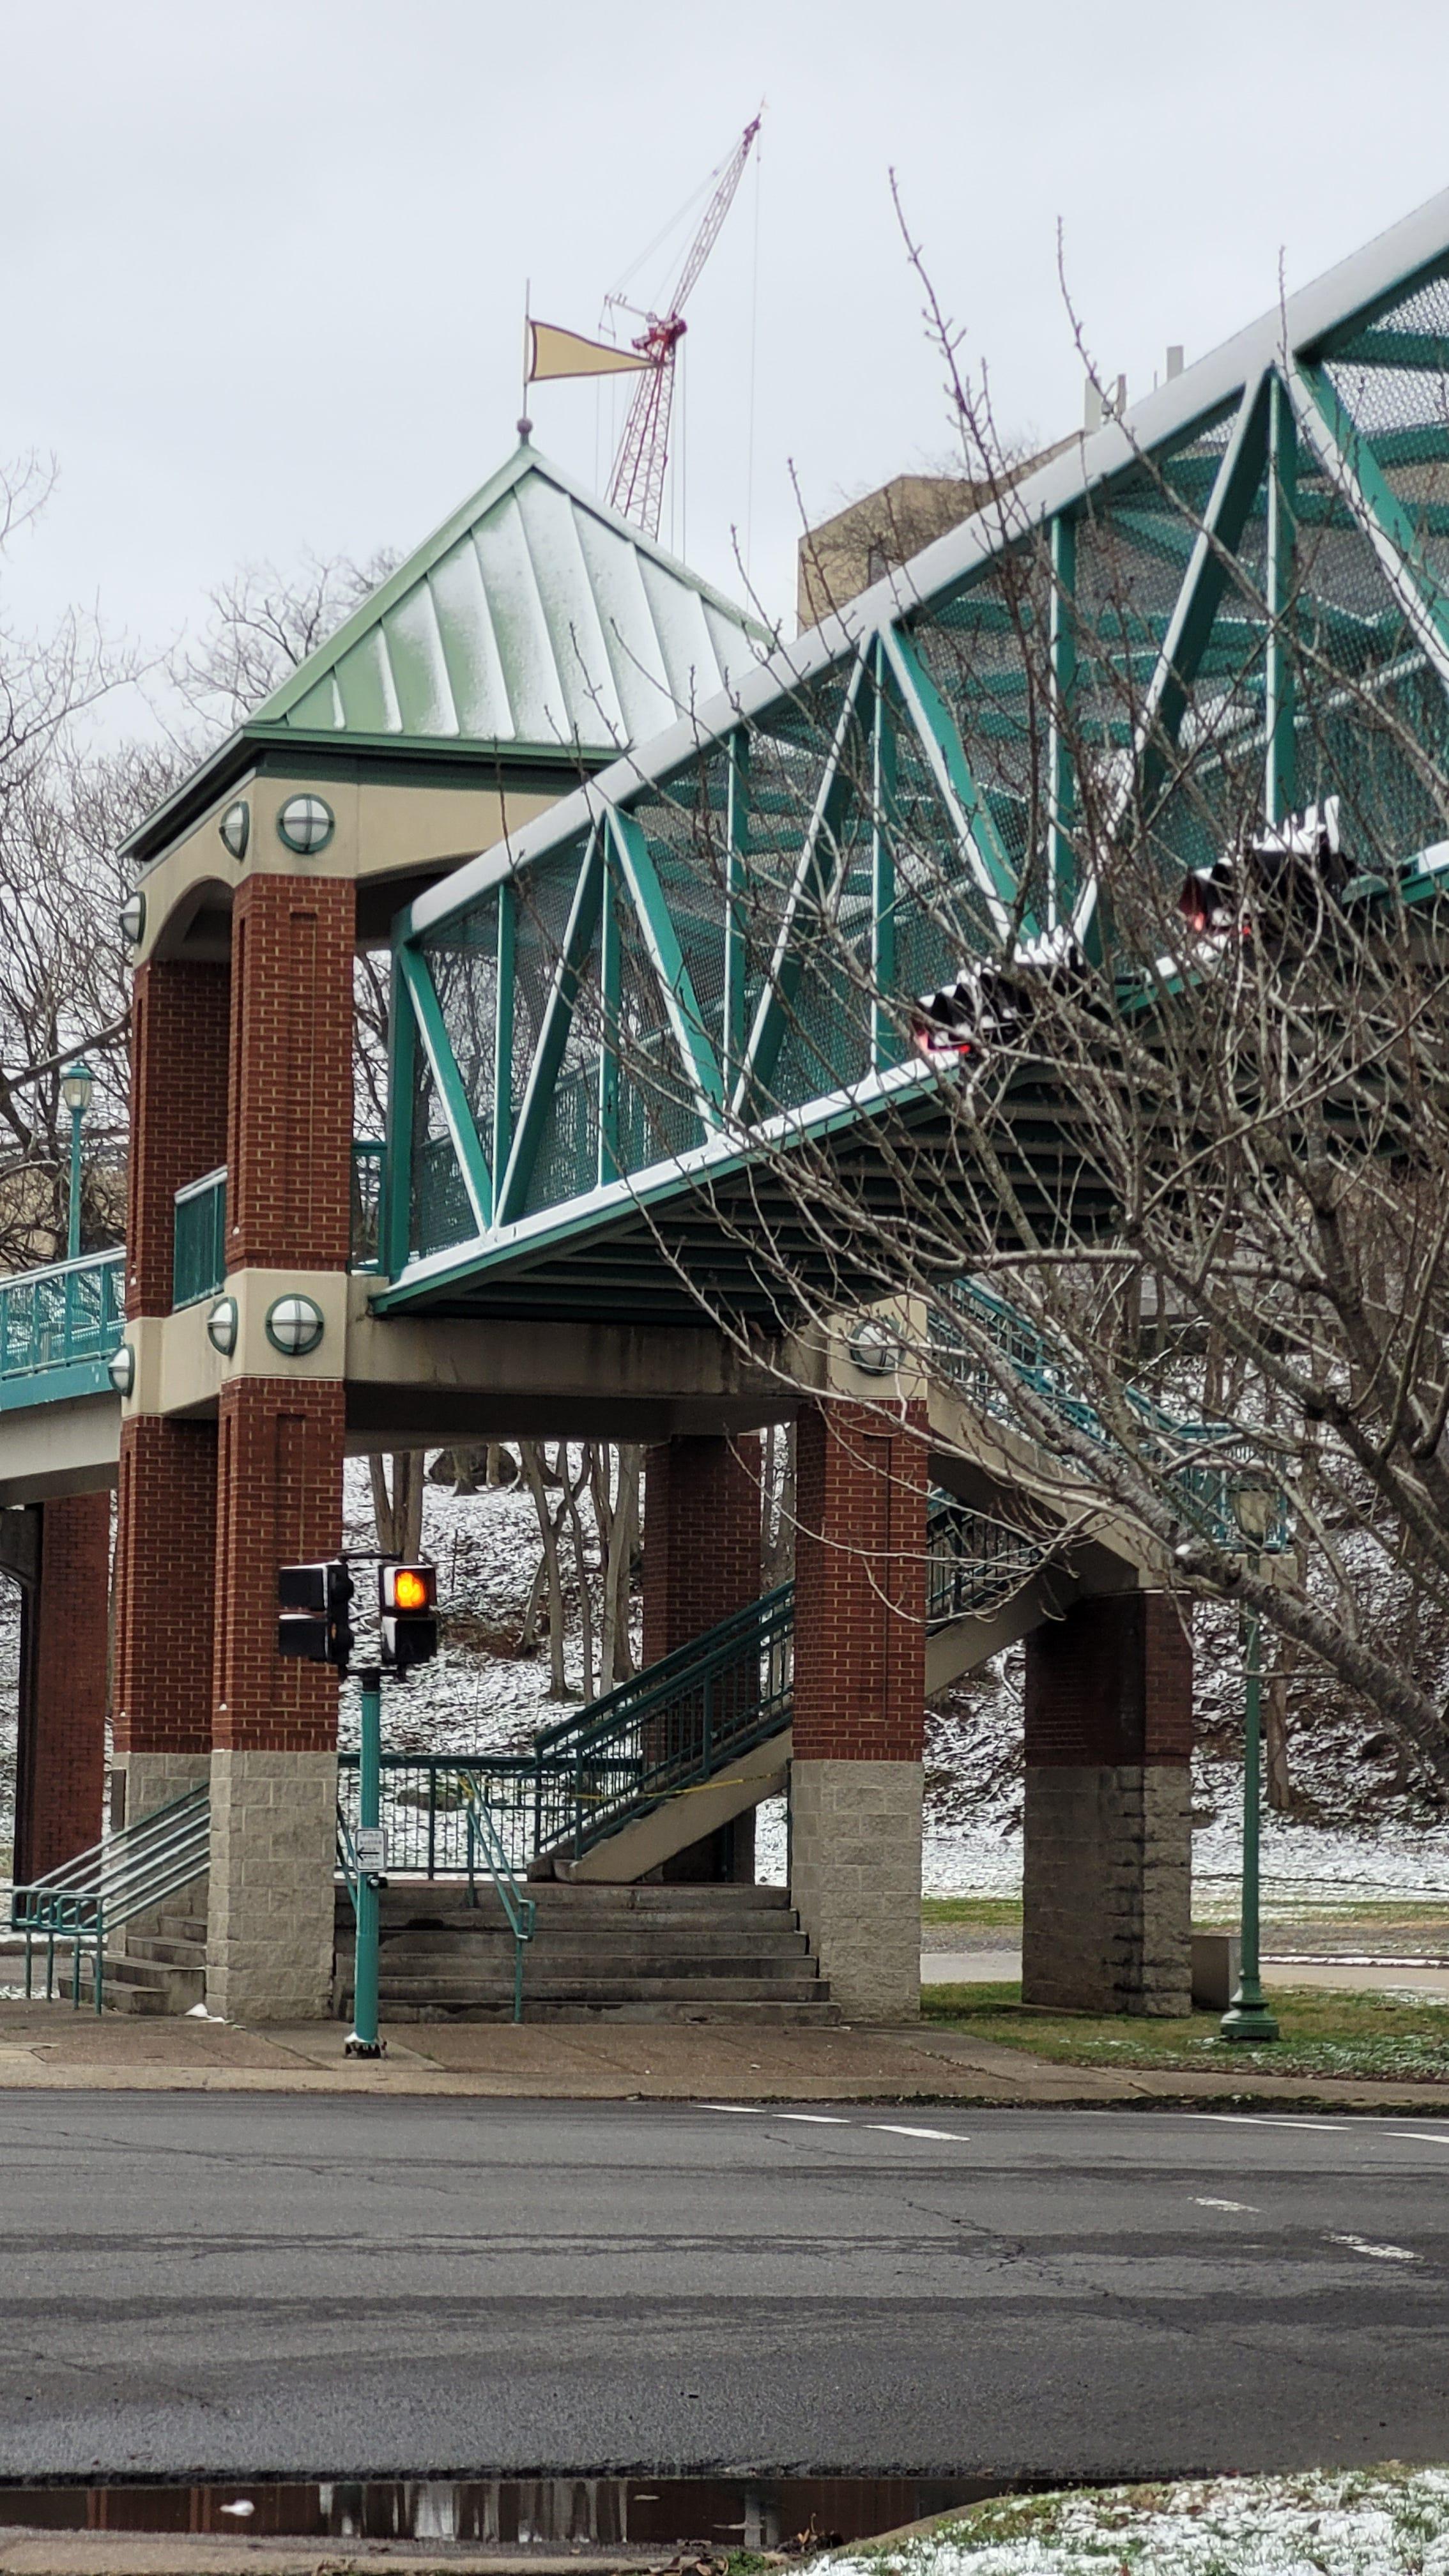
{"points": [[534, 616], [535, 624]]}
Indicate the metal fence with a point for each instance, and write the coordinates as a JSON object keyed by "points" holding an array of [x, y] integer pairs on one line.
{"points": [[58, 1317], [198, 1247]]}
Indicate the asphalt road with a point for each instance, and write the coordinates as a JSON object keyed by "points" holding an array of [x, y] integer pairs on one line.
{"points": [[234, 2285]]}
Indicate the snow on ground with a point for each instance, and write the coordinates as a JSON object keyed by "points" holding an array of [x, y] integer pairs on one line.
{"points": [[1374, 2523]]}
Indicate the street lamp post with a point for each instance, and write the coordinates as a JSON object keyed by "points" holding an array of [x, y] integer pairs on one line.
{"points": [[1247, 2016], [76, 1085]]}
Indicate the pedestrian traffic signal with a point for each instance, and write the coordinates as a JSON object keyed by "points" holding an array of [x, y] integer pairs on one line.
{"points": [[312, 1616], [407, 1598]]}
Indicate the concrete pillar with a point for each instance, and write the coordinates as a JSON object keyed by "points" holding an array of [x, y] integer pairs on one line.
{"points": [[701, 1562], [166, 1503], [274, 1724], [61, 1748], [1107, 1880], [280, 1450], [859, 1701]]}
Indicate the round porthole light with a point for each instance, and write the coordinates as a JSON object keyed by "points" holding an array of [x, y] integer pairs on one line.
{"points": [[221, 1326], [121, 1369], [305, 824], [874, 1348], [235, 828], [294, 1325], [133, 918]]}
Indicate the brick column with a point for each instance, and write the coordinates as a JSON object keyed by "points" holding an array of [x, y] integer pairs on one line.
{"points": [[61, 1751], [860, 1687], [274, 1762], [179, 1022], [165, 1569], [1107, 1878], [701, 1537], [280, 1450], [167, 1495], [701, 1562]]}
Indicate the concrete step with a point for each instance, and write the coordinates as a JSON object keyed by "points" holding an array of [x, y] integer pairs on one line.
{"points": [[586, 1903], [758, 2016], [609, 1990], [166, 1952], [145, 1986], [426, 1941], [493, 1964]]}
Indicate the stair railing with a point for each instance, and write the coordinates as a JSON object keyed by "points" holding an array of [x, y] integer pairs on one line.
{"points": [[87, 1900], [520, 1910]]}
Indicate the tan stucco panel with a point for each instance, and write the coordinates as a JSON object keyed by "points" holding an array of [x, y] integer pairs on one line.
{"points": [[383, 828]]}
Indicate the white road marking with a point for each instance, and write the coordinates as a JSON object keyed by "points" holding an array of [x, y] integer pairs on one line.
{"points": [[737, 2110], [1381, 2253], [893, 2129], [1423, 2137], [1201, 2202], [816, 2119], [1269, 2120]]}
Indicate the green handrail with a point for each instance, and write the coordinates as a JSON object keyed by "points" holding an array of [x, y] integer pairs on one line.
{"points": [[520, 1910], [66, 1316], [1189, 1449], [198, 1241], [125, 1874]]}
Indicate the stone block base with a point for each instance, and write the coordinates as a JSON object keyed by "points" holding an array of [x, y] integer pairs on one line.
{"points": [[273, 1852], [855, 1879], [154, 1779], [1107, 1888]]}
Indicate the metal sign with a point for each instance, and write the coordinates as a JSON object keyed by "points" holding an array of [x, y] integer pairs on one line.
{"points": [[371, 1847]]}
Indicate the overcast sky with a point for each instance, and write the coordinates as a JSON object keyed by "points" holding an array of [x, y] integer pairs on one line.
{"points": [[264, 264]]}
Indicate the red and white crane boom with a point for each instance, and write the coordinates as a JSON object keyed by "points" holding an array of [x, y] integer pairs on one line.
{"points": [[637, 485]]}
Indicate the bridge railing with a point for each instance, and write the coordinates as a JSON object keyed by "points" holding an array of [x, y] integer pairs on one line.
{"points": [[1207, 1463], [198, 1239], [62, 1317]]}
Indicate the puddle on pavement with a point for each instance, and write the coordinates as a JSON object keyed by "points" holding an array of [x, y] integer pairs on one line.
{"points": [[511, 2513]]}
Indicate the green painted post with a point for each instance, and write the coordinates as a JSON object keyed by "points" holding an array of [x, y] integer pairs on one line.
{"points": [[1247, 2016], [503, 1038], [734, 1025], [1281, 783], [364, 2041], [885, 1041], [1062, 775]]}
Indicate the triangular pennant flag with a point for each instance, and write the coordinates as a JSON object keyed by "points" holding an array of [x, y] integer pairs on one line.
{"points": [[553, 352]]}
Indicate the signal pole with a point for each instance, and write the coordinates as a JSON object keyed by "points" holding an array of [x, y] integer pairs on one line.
{"points": [[364, 2041]]}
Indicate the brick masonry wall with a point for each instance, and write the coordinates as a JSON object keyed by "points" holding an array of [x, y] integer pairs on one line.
{"points": [[860, 1587], [165, 1571], [701, 1537], [1107, 1839], [1110, 1683], [289, 1132], [179, 1022], [279, 1489], [60, 1786]]}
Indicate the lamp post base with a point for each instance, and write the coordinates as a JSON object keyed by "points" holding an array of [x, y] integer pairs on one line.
{"points": [[1247, 2016], [355, 2047]]}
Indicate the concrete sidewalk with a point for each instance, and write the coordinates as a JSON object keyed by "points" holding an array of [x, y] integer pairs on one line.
{"points": [[49, 2048]]}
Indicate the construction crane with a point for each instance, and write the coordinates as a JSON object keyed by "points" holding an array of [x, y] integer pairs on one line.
{"points": [[637, 486]]}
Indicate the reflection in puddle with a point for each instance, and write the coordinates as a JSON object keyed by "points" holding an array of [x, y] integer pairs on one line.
{"points": [[637, 2514]]}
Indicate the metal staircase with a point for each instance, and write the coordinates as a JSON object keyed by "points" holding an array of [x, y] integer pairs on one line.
{"points": [[83, 1906]]}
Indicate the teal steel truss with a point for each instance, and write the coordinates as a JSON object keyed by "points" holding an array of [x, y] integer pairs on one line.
{"points": [[716, 941]]}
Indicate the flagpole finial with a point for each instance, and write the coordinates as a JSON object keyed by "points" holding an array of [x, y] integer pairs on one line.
{"points": [[525, 429]]}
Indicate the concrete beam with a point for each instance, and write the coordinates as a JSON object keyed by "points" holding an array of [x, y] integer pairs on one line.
{"points": [[54, 1449]]}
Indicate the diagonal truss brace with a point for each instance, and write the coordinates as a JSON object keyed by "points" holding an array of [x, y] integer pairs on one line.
{"points": [[553, 1032], [1350, 464], [421, 993], [635, 865], [1235, 488], [768, 1028], [946, 759]]}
